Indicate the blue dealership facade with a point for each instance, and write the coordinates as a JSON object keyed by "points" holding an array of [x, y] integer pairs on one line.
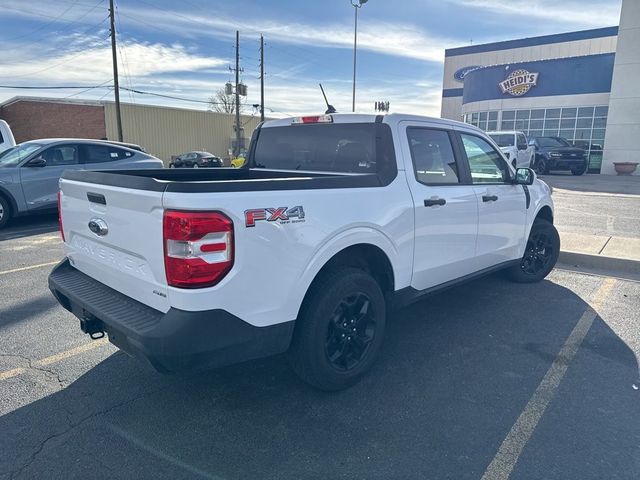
{"points": [[553, 85]]}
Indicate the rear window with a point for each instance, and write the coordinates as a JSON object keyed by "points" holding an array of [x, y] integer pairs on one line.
{"points": [[104, 153], [345, 147]]}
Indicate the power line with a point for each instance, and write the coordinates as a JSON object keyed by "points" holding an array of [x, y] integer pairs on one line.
{"points": [[89, 88], [134, 90], [44, 25], [51, 87]]}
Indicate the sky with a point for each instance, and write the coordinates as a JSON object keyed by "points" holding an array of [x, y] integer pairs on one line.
{"points": [[184, 48]]}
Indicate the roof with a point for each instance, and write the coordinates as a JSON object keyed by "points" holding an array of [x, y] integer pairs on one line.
{"points": [[533, 41], [391, 118]]}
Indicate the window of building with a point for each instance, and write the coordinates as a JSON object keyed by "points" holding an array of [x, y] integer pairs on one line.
{"points": [[582, 126], [552, 113], [508, 115]]}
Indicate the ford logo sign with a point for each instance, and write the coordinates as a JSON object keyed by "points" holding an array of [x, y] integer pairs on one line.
{"points": [[462, 72], [98, 226]]}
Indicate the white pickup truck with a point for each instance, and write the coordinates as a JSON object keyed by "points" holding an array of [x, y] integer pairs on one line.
{"points": [[6, 137], [333, 221], [515, 147]]}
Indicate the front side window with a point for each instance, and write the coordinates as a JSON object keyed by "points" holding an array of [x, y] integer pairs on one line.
{"points": [[61, 155], [432, 155], [522, 141], [485, 163]]}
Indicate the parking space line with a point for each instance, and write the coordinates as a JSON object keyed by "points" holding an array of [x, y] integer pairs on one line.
{"points": [[14, 372], [507, 456], [31, 267], [71, 353]]}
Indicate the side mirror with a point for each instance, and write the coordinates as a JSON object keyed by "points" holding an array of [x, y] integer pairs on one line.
{"points": [[524, 176], [37, 162]]}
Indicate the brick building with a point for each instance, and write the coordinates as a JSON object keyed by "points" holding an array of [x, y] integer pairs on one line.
{"points": [[162, 131], [32, 118]]}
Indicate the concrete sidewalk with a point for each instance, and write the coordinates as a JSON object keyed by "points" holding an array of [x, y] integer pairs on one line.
{"points": [[598, 217], [594, 184], [600, 254]]}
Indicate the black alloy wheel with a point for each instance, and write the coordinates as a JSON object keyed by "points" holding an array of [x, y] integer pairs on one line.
{"points": [[339, 330], [541, 166], [540, 255], [350, 332], [539, 252]]}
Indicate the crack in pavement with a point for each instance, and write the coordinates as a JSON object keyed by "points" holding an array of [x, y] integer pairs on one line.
{"points": [[30, 366], [73, 425]]}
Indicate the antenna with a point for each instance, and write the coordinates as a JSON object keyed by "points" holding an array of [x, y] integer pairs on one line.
{"points": [[330, 108]]}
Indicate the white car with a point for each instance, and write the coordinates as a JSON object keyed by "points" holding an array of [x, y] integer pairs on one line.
{"points": [[334, 220], [6, 137], [515, 147]]}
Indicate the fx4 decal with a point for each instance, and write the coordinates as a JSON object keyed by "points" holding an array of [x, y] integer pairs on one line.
{"points": [[282, 215]]}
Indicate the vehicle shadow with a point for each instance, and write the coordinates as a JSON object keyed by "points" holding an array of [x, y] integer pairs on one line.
{"points": [[456, 371], [30, 225]]}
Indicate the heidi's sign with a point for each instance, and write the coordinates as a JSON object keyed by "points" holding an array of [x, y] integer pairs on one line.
{"points": [[518, 82]]}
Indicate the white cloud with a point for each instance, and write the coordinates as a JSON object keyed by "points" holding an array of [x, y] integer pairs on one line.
{"points": [[93, 63], [578, 13], [381, 37]]}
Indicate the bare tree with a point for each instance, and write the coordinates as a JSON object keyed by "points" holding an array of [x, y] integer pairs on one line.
{"points": [[223, 103]]}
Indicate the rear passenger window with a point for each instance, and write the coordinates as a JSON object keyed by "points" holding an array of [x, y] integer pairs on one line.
{"points": [[104, 153], [432, 155]]}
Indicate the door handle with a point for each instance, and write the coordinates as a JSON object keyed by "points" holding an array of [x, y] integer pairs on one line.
{"points": [[489, 198], [432, 202]]}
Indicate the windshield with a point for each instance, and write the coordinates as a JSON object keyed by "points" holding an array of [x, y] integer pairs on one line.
{"points": [[346, 147], [553, 142], [17, 154], [503, 139]]}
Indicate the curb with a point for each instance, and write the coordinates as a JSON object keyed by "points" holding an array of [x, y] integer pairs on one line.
{"points": [[600, 265]]}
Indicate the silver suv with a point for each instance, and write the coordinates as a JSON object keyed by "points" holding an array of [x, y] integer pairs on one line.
{"points": [[29, 172]]}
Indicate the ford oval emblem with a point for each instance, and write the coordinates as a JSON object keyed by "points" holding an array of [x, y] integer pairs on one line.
{"points": [[462, 72], [98, 226]]}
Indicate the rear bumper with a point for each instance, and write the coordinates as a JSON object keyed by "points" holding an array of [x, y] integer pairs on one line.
{"points": [[175, 341]]}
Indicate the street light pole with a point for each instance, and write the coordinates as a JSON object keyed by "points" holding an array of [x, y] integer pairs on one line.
{"points": [[356, 6]]}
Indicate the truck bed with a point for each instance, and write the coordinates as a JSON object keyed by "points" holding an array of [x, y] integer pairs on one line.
{"points": [[223, 179]]}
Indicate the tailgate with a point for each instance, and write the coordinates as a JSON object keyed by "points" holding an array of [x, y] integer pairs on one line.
{"points": [[114, 235]]}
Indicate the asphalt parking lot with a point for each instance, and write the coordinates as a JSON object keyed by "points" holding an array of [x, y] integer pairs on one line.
{"points": [[516, 381]]}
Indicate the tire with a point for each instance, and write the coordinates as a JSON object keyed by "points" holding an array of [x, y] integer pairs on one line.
{"points": [[195, 165], [171, 165], [579, 170], [541, 166], [324, 352], [5, 211], [540, 256]]}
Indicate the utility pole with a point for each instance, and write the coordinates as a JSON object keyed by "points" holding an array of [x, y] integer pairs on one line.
{"points": [[261, 78], [116, 86], [357, 6], [355, 46], [237, 149]]}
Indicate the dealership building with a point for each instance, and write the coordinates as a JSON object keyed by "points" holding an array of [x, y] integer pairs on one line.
{"points": [[582, 86]]}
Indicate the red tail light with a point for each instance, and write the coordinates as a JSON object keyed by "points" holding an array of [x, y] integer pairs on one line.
{"points": [[198, 248], [60, 216]]}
